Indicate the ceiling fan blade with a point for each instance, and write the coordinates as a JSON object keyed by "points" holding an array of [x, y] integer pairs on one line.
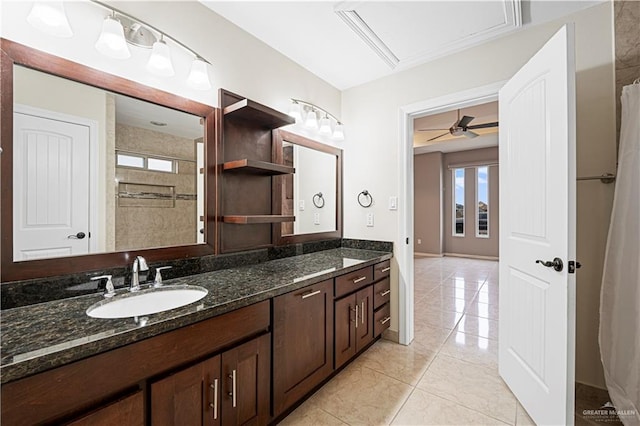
{"points": [[433, 139], [483, 125], [429, 130], [470, 134], [464, 122]]}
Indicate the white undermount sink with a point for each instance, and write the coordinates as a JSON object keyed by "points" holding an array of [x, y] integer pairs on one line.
{"points": [[147, 302]]}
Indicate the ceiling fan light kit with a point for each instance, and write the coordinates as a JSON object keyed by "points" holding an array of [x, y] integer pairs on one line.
{"points": [[461, 127]]}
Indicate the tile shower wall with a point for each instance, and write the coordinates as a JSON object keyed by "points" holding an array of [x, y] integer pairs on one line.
{"points": [[155, 209], [627, 39]]}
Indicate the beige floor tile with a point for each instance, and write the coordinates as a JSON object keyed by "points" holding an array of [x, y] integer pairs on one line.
{"points": [[423, 408], [309, 414], [436, 318], [445, 303], [522, 418], [470, 348], [466, 283], [428, 339], [404, 363], [489, 295], [359, 395], [484, 310], [478, 326], [448, 291], [473, 386]]}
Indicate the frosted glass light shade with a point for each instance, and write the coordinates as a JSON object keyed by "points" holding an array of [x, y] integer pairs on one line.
{"points": [[199, 76], [111, 41], [312, 120], [50, 18], [295, 112], [325, 126], [338, 132], [160, 60]]}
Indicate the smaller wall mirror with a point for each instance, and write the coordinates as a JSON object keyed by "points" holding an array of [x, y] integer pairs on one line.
{"points": [[313, 194]]}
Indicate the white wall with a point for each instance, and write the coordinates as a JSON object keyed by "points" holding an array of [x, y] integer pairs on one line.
{"points": [[371, 114]]}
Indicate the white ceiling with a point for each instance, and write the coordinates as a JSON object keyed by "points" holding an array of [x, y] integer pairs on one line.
{"points": [[137, 113], [344, 48]]}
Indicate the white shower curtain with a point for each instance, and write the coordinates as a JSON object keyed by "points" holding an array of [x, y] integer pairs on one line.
{"points": [[620, 294]]}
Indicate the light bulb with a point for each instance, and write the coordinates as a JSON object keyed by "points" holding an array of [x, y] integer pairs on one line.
{"points": [[111, 41], [312, 120], [50, 18], [199, 76], [160, 59], [325, 126], [338, 132], [294, 111]]}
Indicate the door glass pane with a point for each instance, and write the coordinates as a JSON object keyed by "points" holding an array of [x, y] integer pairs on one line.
{"points": [[482, 197], [458, 202]]}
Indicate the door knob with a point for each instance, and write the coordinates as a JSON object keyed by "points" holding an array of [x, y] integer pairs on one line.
{"points": [[556, 263], [78, 236]]}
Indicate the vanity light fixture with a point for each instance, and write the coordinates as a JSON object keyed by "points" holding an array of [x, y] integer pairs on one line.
{"points": [[160, 59], [50, 18], [299, 107], [111, 41], [120, 29]]}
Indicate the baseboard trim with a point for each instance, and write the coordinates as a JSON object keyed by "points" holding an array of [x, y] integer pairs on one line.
{"points": [[420, 254], [470, 256]]}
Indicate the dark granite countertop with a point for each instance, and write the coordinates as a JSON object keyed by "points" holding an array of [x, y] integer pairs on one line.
{"points": [[39, 337]]}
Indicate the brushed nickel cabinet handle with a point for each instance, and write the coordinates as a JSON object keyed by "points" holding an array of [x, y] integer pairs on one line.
{"points": [[232, 394], [384, 293], [356, 316], [357, 280], [362, 312], [214, 404], [384, 321], [388, 268], [313, 293]]}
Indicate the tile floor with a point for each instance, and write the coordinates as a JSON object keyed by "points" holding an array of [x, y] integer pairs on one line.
{"points": [[447, 376]]}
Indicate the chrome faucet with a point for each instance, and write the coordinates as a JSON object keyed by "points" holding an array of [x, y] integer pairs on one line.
{"points": [[139, 265]]}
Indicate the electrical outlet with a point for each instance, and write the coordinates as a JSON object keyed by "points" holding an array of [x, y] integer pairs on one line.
{"points": [[301, 205], [393, 203], [369, 219], [316, 218], [419, 241]]}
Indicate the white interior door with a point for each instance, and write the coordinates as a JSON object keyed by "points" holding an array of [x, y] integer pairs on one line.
{"points": [[537, 222], [51, 188]]}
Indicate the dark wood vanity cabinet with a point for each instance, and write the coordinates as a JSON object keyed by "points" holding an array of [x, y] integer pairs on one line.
{"points": [[381, 297], [126, 411], [353, 324], [227, 389], [302, 342]]}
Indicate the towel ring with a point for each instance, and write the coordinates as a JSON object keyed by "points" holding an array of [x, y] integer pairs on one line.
{"points": [[366, 196], [318, 200]]}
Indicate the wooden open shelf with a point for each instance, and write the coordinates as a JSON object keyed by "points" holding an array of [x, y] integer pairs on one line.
{"points": [[250, 219], [257, 167], [256, 113]]}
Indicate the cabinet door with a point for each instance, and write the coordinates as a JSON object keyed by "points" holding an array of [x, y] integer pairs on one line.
{"points": [[364, 327], [188, 396], [246, 374], [302, 342], [345, 331], [127, 411]]}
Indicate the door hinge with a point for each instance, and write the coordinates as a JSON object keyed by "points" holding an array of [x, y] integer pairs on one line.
{"points": [[407, 240], [573, 265]]}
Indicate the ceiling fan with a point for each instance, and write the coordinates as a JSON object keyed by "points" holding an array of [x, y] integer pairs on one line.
{"points": [[461, 128]]}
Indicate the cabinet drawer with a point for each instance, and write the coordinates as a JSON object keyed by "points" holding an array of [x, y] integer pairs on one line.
{"points": [[381, 320], [381, 270], [381, 292], [348, 283]]}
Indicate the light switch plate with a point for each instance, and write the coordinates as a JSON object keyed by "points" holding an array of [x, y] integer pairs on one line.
{"points": [[301, 205], [393, 203], [316, 218], [369, 219]]}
